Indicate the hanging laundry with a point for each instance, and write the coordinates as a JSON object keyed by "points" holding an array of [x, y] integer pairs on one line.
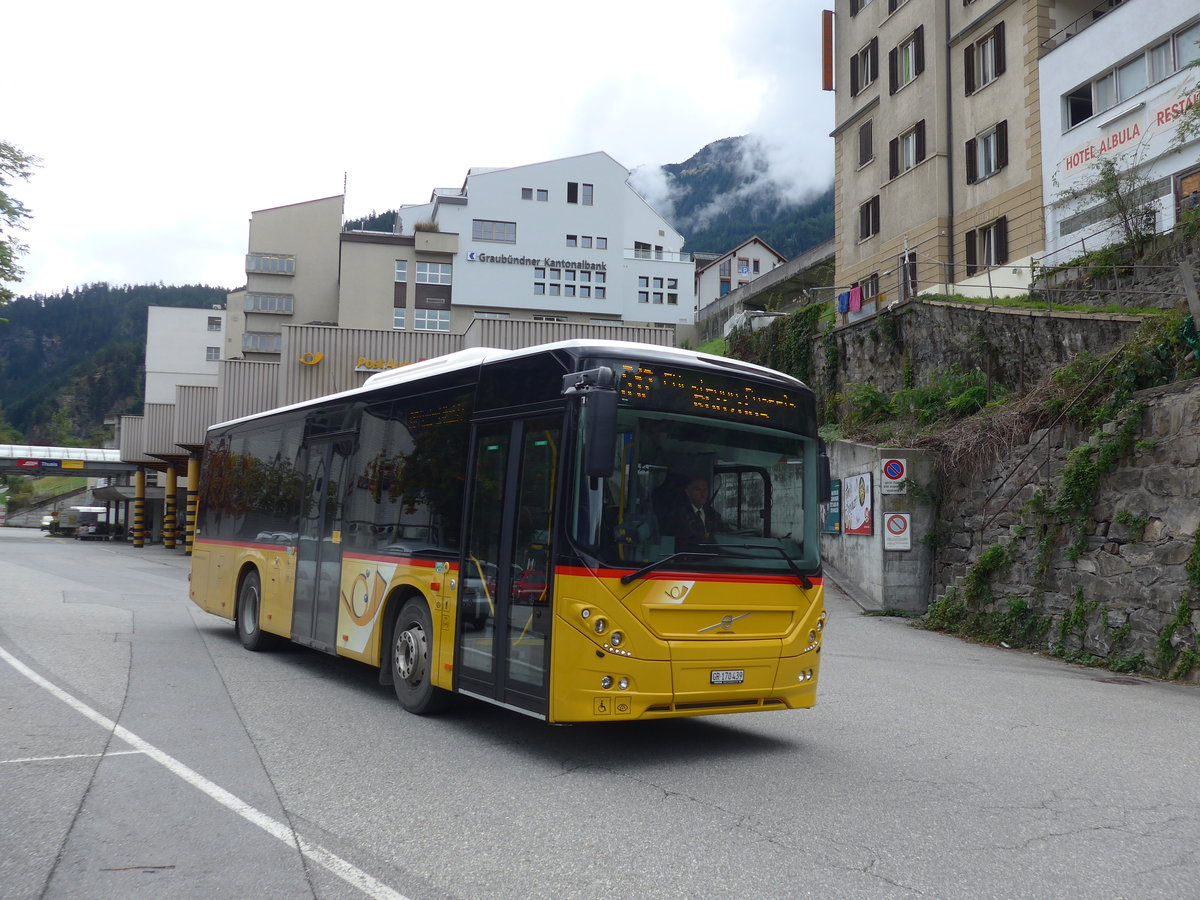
{"points": [[843, 301], [855, 299]]}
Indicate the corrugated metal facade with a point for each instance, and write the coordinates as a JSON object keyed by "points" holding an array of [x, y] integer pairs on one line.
{"points": [[246, 388], [133, 448], [195, 410], [317, 359], [158, 430]]}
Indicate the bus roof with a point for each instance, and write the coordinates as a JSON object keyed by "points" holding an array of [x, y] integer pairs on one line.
{"points": [[477, 356]]}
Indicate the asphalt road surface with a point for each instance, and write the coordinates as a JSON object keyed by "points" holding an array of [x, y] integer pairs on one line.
{"points": [[144, 753]]}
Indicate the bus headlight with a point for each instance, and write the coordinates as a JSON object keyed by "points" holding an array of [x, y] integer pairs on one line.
{"points": [[623, 684], [616, 638], [812, 637], [606, 682], [601, 626]]}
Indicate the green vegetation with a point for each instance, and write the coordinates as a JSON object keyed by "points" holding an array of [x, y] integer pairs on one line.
{"points": [[14, 165], [1025, 301], [716, 347]]}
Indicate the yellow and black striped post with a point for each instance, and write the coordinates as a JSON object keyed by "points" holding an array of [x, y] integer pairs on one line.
{"points": [[169, 510], [193, 490], [139, 508]]}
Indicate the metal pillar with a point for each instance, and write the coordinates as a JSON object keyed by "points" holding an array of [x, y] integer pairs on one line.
{"points": [[169, 510], [139, 508], [193, 489]]}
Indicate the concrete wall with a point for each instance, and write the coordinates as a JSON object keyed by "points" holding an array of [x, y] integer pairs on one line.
{"points": [[877, 578]]}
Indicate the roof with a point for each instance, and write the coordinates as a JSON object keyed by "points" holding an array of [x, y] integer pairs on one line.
{"points": [[732, 252]]}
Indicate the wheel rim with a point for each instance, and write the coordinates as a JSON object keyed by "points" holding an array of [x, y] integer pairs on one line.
{"points": [[249, 617], [411, 649]]}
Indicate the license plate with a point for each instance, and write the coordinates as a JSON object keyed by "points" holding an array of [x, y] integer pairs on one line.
{"points": [[728, 676]]}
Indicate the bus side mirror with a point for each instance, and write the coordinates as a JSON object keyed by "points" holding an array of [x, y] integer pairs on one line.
{"points": [[823, 473], [597, 390]]}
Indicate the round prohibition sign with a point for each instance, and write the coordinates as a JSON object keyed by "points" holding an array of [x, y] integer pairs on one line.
{"points": [[893, 469], [895, 524]]}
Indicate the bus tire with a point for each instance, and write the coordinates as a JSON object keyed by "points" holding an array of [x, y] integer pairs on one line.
{"points": [[412, 658], [249, 611]]}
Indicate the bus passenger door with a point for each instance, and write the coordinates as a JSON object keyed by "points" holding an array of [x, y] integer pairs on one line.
{"points": [[504, 653], [319, 550]]}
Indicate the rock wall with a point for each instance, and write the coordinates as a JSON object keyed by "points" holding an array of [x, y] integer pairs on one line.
{"points": [[1128, 592]]}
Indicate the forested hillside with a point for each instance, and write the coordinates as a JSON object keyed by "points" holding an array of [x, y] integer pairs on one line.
{"points": [[69, 360]]}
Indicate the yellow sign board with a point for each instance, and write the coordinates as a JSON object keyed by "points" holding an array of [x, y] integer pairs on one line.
{"points": [[72, 463]]}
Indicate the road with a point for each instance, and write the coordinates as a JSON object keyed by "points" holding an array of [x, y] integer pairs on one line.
{"points": [[144, 753]]}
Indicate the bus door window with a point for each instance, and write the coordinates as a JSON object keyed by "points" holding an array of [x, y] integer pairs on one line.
{"points": [[480, 569]]}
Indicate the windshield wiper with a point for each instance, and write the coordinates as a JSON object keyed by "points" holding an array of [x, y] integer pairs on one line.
{"points": [[804, 579], [659, 563]]}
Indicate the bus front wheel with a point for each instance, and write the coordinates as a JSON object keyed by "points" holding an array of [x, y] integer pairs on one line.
{"points": [[249, 610], [412, 661]]}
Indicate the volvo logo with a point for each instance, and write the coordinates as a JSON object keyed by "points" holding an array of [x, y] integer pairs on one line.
{"points": [[725, 624]]}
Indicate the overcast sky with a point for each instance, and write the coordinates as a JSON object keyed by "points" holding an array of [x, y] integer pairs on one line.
{"points": [[161, 126]]}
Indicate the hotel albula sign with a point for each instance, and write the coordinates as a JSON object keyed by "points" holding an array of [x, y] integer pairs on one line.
{"points": [[1130, 133]]}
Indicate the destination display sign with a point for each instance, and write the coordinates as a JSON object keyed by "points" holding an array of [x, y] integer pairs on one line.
{"points": [[673, 389]]}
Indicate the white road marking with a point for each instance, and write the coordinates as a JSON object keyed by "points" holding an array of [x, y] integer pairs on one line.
{"points": [[351, 874], [29, 759]]}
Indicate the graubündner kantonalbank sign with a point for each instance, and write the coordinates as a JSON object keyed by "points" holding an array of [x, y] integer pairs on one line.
{"points": [[548, 263]]}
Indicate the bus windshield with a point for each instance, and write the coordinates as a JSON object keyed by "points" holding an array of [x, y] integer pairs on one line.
{"points": [[712, 495]]}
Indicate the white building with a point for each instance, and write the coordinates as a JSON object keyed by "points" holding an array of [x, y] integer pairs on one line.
{"points": [[567, 240], [734, 269], [183, 347], [1115, 85]]}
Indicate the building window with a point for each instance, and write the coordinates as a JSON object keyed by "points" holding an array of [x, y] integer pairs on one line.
{"points": [[641, 250], [212, 354], [587, 192], [725, 286], [568, 290], [754, 266], [987, 246], [864, 67], [568, 274], [601, 243], [262, 341], [433, 273], [643, 296], [672, 284], [543, 195], [599, 277], [269, 303], [906, 61], [724, 268], [907, 150], [987, 153], [599, 292], [214, 323], [499, 232], [491, 315], [585, 275], [398, 319], [549, 318], [672, 299], [658, 297], [539, 288], [572, 240], [585, 241], [870, 286], [868, 219], [743, 266], [856, 5], [539, 273], [572, 191], [431, 319], [556, 274], [401, 271], [585, 291], [894, 5], [555, 289], [643, 281], [270, 264], [526, 193], [866, 143], [983, 61]]}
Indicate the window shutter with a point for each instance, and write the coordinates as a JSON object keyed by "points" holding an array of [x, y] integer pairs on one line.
{"points": [[892, 71], [919, 62], [1001, 240], [1002, 144], [999, 32], [873, 55], [920, 140], [971, 172], [854, 7], [968, 68], [892, 6], [854, 75], [971, 266], [893, 157], [875, 214]]}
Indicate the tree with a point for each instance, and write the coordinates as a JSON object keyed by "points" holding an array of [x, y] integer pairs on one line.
{"points": [[13, 165], [1116, 192]]}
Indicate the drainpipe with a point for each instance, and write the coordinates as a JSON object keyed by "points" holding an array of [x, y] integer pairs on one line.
{"points": [[949, 160]]}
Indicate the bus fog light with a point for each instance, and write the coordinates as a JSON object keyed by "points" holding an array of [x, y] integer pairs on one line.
{"points": [[821, 623], [623, 684], [601, 626], [616, 638], [812, 637], [606, 682], [587, 613]]}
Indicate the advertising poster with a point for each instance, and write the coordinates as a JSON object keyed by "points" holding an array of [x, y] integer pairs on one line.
{"points": [[831, 512], [857, 503]]}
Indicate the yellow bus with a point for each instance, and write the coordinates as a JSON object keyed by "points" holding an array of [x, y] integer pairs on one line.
{"points": [[585, 531]]}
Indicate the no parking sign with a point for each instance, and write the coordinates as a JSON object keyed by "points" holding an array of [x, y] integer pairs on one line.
{"points": [[895, 473], [897, 531]]}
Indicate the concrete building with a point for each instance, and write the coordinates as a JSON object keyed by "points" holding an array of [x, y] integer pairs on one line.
{"points": [[734, 269], [183, 346], [1113, 88], [937, 146]]}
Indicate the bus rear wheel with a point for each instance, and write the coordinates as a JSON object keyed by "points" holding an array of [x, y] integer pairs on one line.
{"points": [[412, 657], [249, 611]]}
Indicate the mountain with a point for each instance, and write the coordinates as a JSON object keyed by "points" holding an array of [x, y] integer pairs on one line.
{"points": [[727, 193], [69, 360]]}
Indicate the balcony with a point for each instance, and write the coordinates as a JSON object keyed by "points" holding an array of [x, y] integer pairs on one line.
{"points": [[658, 255]]}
